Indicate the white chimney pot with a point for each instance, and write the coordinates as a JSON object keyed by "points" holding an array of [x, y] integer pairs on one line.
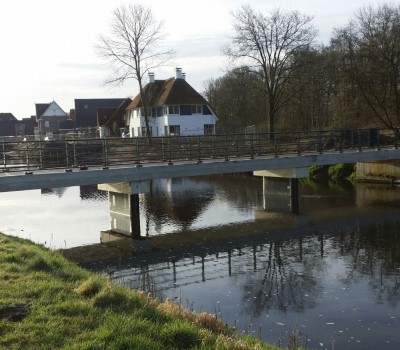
{"points": [[151, 77], [178, 73]]}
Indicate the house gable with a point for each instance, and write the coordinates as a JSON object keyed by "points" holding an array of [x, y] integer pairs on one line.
{"points": [[53, 111], [40, 109]]}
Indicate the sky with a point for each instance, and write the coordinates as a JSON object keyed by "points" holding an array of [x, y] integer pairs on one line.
{"points": [[47, 47]]}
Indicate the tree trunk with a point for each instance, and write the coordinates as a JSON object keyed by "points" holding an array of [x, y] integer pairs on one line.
{"points": [[271, 117], [145, 110]]}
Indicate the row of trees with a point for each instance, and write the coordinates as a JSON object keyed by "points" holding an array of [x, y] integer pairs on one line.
{"points": [[284, 82], [280, 79]]}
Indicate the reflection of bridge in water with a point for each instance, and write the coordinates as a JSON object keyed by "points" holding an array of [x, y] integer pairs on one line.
{"points": [[269, 224], [194, 256]]}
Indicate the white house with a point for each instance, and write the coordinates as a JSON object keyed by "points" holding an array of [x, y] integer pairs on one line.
{"points": [[175, 108]]}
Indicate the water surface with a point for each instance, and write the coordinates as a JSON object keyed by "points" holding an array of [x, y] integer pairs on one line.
{"points": [[332, 272]]}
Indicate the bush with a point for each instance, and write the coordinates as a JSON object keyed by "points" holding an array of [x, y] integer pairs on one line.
{"points": [[341, 171]]}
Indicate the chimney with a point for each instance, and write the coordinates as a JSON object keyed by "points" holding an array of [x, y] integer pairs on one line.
{"points": [[184, 76], [151, 77], [178, 72]]}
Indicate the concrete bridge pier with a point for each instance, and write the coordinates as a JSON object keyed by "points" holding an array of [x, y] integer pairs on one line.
{"points": [[123, 199], [281, 189]]}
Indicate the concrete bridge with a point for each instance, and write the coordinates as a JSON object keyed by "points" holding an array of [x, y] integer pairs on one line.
{"points": [[26, 165], [125, 167]]}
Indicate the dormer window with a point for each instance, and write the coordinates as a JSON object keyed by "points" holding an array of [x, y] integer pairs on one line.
{"points": [[173, 110], [197, 109]]}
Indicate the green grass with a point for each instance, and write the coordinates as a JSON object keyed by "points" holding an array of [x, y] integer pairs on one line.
{"points": [[47, 302]]}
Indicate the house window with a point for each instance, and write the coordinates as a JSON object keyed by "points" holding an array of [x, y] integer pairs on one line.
{"points": [[144, 133], [173, 110], [208, 129], [141, 112], [46, 124], [172, 130], [160, 111], [197, 109]]}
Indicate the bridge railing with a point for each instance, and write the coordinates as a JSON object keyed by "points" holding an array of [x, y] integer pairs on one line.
{"points": [[67, 154]]}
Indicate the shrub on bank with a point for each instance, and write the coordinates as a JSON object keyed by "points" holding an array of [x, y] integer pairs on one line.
{"points": [[336, 172]]}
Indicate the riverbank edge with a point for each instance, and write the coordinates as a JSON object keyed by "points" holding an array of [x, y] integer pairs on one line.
{"points": [[48, 302]]}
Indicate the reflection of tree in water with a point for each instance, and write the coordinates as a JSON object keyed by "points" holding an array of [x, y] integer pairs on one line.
{"points": [[181, 201], [90, 192], [286, 277], [187, 198], [373, 253], [240, 191]]}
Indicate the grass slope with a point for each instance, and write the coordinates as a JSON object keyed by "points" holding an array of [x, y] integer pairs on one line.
{"points": [[47, 302]]}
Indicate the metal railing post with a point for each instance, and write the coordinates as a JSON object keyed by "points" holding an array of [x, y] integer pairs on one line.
{"points": [[359, 140], [319, 142], [164, 157], [67, 167], [105, 154], [4, 156], [341, 142], [28, 171], [252, 148], [169, 151], [198, 151], [299, 145], [41, 160], [378, 144], [276, 146], [75, 154], [213, 156], [137, 151], [226, 148]]}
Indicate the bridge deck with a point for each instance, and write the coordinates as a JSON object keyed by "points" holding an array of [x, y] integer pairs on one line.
{"points": [[72, 162], [53, 178]]}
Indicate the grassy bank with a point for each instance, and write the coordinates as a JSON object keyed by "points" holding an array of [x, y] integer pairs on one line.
{"points": [[46, 302]]}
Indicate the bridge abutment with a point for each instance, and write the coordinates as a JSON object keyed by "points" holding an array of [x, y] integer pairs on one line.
{"points": [[281, 189], [123, 200]]}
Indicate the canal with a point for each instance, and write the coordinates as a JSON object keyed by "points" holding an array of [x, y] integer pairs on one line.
{"points": [[331, 273]]}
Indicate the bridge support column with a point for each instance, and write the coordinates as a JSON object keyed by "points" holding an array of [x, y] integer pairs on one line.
{"points": [[281, 189], [123, 199]]}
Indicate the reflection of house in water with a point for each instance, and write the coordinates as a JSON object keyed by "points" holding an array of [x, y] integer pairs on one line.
{"points": [[180, 200], [87, 192], [59, 191]]}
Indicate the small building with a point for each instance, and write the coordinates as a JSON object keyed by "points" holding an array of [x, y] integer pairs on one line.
{"points": [[49, 116], [174, 108], [26, 126], [7, 124], [111, 120], [86, 110]]}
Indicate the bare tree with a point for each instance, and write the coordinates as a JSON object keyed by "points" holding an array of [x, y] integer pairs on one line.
{"points": [[268, 45], [370, 48], [132, 48]]}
